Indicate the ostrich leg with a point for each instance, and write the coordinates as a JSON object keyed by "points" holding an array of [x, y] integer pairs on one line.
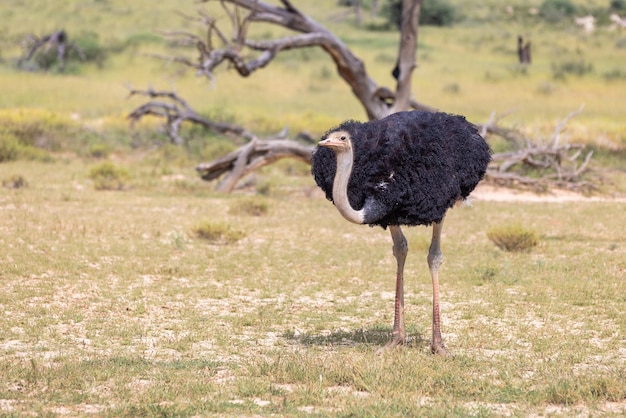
{"points": [[400, 250], [435, 258]]}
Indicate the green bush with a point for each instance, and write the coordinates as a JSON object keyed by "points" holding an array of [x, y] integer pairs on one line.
{"points": [[92, 51], [34, 154], [37, 128], [616, 74], [217, 232], [99, 150], [9, 148], [556, 10], [575, 67], [209, 148], [617, 5], [433, 13], [12, 149], [513, 238], [16, 181], [107, 176], [438, 13], [250, 206]]}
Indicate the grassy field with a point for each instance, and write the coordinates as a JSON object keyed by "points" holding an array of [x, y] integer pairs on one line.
{"points": [[112, 306], [469, 69], [160, 297]]}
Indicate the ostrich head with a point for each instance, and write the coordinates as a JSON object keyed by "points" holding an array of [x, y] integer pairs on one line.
{"points": [[338, 141]]}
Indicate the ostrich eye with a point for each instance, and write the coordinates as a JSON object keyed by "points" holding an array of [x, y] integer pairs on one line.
{"points": [[343, 137]]}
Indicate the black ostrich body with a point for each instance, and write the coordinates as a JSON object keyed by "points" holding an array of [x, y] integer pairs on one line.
{"points": [[406, 169], [410, 166]]}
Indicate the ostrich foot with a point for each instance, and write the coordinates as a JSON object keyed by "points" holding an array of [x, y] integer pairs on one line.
{"points": [[439, 349], [395, 342]]}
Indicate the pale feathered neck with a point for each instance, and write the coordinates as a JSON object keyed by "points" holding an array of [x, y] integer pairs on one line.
{"points": [[345, 160]]}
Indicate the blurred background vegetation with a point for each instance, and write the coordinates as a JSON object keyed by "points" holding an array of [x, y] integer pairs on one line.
{"points": [[467, 64]]}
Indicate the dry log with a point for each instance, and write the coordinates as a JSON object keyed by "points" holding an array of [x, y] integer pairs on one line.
{"points": [[56, 40], [250, 157], [554, 164], [175, 110]]}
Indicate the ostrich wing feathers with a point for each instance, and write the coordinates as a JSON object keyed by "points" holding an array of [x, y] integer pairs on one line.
{"points": [[409, 168]]}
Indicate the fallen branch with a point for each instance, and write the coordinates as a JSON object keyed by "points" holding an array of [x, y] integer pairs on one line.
{"points": [[250, 157], [176, 111], [56, 40], [556, 164]]}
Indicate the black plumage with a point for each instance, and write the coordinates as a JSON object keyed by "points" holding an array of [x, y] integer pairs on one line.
{"points": [[414, 165]]}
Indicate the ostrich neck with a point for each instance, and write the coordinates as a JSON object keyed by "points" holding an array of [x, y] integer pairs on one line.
{"points": [[340, 188]]}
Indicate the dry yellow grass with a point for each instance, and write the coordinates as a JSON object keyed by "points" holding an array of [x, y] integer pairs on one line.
{"points": [[110, 306]]}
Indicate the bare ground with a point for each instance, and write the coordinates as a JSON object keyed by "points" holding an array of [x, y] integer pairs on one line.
{"points": [[487, 192]]}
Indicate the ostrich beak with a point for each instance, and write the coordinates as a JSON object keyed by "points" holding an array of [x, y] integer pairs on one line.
{"points": [[329, 143]]}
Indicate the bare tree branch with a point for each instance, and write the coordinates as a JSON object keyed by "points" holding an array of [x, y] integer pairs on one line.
{"points": [[555, 164], [57, 40], [175, 111], [407, 53], [248, 55], [252, 156]]}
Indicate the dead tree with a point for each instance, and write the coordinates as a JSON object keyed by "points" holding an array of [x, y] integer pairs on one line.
{"points": [[255, 154], [523, 51], [57, 40], [540, 164], [175, 110], [246, 56], [537, 164]]}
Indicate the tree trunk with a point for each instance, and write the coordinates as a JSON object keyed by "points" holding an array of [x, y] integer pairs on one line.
{"points": [[247, 56]]}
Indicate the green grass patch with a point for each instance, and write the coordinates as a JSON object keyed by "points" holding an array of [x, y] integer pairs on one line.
{"points": [[252, 206], [110, 306], [513, 238], [217, 232], [113, 304], [16, 181], [108, 176]]}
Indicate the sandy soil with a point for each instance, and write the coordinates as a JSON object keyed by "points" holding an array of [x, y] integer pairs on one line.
{"points": [[487, 192]]}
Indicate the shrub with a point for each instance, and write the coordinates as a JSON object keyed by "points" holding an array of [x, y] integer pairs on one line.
{"points": [[107, 176], [217, 232], [211, 149], [576, 67], [250, 206], [264, 188], [615, 74], [9, 148], [438, 13], [617, 5], [99, 150], [433, 12], [38, 128], [15, 182], [82, 48], [92, 51], [34, 154], [556, 10], [513, 238]]}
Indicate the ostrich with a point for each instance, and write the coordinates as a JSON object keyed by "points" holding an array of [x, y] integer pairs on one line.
{"points": [[406, 169]]}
